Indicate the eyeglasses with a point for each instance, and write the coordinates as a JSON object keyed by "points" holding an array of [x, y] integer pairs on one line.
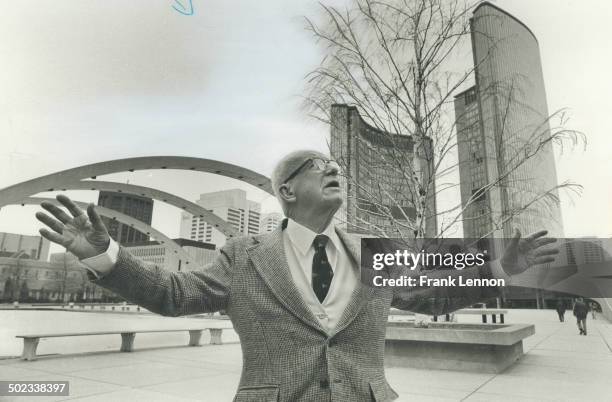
{"points": [[319, 163]]}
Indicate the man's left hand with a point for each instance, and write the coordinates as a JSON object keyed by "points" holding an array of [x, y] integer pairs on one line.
{"points": [[524, 253]]}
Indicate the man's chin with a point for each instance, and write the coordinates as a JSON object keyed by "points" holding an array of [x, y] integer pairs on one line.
{"points": [[335, 200]]}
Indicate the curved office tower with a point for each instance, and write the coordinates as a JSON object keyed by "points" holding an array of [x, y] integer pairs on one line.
{"points": [[374, 181], [502, 132]]}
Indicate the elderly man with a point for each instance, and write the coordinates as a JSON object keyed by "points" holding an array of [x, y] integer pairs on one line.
{"points": [[309, 329]]}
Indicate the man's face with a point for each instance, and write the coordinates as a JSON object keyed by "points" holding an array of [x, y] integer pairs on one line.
{"points": [[316, 184]]}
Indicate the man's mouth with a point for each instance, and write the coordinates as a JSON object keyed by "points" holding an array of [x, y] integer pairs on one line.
{"points": [[333, 184]]}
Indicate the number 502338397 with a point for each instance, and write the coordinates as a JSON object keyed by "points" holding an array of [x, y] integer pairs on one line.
{"points": [[15, 388]]}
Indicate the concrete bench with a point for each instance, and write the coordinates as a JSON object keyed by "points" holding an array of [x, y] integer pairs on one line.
{"points": [[485, 348], [30, 341]]}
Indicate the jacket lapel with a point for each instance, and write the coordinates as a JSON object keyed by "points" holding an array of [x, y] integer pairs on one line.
{"points": [[270, 261], [361, 294]]}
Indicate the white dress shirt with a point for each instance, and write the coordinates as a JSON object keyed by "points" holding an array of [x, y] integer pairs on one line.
{"points": [[297, 241]]}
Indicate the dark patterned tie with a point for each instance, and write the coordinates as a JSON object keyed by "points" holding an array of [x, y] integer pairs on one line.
{"points": [[322, 273]]}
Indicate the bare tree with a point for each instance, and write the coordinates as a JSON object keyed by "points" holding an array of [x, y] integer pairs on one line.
{"points": [[400, 63]]}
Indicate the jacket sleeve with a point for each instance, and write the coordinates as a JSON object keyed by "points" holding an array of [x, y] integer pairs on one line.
{"points": [[172, 293], [438, 300]]}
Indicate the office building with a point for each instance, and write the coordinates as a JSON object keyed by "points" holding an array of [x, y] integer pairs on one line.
{"points": [[270, 221], [230, 205], [505, 160], [378, 196], [135, 206], [161, 255], [62, 279]]}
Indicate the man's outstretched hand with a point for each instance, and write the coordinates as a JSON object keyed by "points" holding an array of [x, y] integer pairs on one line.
{"points": [[83, 235], [524, 253]]}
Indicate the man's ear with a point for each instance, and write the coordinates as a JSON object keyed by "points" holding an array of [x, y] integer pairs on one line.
{"points": [[285, 191]]}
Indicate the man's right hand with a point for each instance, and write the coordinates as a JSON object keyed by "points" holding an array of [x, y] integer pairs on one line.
{"points": [[83, 235]]}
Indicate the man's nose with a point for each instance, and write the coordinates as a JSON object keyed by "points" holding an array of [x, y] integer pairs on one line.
{"points": [[332, 168]]}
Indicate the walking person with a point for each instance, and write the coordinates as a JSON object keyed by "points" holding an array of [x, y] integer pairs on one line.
{"points": [[561, 309], [581, 309], [593, 308]]}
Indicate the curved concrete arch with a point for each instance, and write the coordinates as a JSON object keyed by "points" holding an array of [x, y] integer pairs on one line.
{"points": [[171, 199], [15, 193], [128, 220]]}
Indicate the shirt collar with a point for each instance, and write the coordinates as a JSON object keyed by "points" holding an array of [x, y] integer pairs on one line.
{"points": [[302, 237]]}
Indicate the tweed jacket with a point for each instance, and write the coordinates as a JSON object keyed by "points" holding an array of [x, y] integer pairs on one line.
{"points": [[287, 354]]}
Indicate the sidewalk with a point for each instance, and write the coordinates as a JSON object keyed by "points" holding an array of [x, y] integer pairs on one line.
{"points": [[559, 365]]}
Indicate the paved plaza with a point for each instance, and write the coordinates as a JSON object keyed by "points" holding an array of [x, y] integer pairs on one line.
{"points": [[559, 365]]}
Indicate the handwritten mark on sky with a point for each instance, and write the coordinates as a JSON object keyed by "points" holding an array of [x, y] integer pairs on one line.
{"points": [[178, 6]]}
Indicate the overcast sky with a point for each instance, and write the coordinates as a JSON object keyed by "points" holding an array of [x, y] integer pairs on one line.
{"points": [[83, 82]]}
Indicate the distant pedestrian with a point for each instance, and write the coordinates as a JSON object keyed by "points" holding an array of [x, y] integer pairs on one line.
{"points": [[561, 309], [581, 310], [593, 308]]}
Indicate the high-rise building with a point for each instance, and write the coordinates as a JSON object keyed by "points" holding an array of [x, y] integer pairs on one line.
{"points": [[270, 221], [378, 196], [505, 160], [230, 205], [135, 206], [588, 250], [24, 246]]}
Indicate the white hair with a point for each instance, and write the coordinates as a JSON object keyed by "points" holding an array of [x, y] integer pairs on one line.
{"points": [[285, 167]]}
